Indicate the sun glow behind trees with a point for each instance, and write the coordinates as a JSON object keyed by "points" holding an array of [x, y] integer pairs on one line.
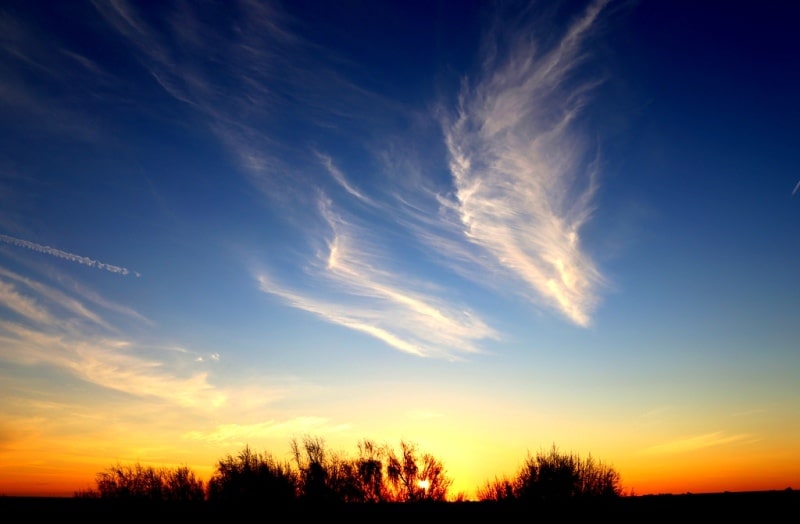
{"points": [[378, 474]]}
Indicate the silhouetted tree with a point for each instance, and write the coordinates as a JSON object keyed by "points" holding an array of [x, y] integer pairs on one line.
{"points": [[414, 478], [251, 477], [369, 471], [310, 459], [326, 477], [377, 474]]}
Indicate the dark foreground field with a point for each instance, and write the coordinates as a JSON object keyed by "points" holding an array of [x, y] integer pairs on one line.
{"points": [[763, 506]]}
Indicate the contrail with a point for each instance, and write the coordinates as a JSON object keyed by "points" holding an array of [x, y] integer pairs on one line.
{"points": [[796, 187], [68, 256]]}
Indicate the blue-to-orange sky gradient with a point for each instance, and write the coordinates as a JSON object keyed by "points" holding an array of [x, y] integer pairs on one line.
{"points": [[483, 227]]}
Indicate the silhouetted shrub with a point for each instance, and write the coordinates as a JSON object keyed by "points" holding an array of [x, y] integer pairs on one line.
{"points": [[498, 490], [555, 477], [140, 483], [327, 477], [251, 477], [182, 485], [377, 474]]}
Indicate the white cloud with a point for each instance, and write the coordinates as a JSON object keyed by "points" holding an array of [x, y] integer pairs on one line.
{"points": [[340, 178], [521, 191]]}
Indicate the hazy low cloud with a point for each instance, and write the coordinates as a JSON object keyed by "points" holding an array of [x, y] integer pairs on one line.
{"points": [[51, 328], [242, 434], [521, 190], [50, 294], [22, 305], [108, 363], [696, 442], [423, 414]]}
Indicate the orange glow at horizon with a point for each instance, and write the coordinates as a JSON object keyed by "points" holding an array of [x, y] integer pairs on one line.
{"points": [[54, 477], [39, 464]]}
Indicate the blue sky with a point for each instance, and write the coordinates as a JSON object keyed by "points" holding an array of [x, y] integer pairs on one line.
{"points": [[485, 227]]}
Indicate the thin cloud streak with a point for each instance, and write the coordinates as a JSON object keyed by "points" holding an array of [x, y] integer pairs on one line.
{"points": [[339, 177], [515, 167], [106, 363], [22, 305], [86, 261], [694, 443], [274, 79], [239, 434], [50, 329], [373, 300], [60, 299]]}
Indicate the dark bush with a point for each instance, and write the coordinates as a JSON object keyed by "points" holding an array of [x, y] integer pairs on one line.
{"points": [[554, 477], [251, 477], [140, 483]]}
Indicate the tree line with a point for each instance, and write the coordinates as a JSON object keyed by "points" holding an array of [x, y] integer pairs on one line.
{"points": [[315, 475]]}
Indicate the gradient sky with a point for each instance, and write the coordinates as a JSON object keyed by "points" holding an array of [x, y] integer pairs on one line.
{"points": [[486, 228]]}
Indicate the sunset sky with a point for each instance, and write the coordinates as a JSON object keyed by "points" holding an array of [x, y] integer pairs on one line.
{"points": [[482, 227]]}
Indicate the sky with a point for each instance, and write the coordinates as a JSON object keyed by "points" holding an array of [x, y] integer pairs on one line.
{"points": [[486, 228]]}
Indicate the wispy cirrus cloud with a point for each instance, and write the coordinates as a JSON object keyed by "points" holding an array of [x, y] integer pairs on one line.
{"points": [[45, 327], [340, 178], [50, 328], [110, 363], [22, 305], [365, 295], [522, 187], [248, 76], [518, 194], [72, 257], [52, 295], [522, 191], [276, 80]]}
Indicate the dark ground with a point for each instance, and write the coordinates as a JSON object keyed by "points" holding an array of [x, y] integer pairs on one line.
{"points": [[762, 506]]}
